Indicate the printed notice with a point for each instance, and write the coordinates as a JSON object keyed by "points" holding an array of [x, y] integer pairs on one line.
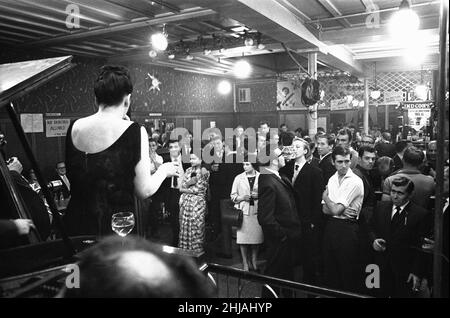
{"points": [[56, 127], [32, 123]]}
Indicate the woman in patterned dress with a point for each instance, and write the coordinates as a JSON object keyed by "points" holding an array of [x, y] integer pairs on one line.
{"points": [[193, 206]]}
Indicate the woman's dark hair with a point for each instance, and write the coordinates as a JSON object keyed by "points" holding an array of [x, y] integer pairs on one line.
{"points": [[112, 85]]}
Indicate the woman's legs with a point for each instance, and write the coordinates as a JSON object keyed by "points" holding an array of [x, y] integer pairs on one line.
{"points": [[254, 249], [244, 251]]}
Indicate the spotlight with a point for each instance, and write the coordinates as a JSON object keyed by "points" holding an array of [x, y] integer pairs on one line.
{"points": [[242, 69], [159, 41], [152, 54], [421, 91], [224, 87], [249, 41], [404, 23]]}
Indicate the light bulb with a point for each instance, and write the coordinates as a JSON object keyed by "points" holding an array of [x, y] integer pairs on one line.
{"points": [[404, 24], [171, 56], [152, 54], [159, 41], [224, 87], [421, 91], [261, 46], [248, 41], [242, 69]]}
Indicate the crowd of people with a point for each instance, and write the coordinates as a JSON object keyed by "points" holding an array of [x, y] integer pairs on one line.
{"points": [[331, 204]]}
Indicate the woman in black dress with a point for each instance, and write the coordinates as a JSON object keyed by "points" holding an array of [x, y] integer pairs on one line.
{"points": [[107, 159]]}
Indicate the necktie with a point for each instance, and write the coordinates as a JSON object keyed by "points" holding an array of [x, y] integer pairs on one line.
{"points": [[66, 181], [397, 218], [296, 169]]}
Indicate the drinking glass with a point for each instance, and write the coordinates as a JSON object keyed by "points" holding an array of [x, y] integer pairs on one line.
{"points": [[122, 223]]}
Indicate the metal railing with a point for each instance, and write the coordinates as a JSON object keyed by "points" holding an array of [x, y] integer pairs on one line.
{"points": [[231, 283]]}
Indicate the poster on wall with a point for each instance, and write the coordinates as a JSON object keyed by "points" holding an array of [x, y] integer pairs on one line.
{"points": [[340, 104], [56, 127], [289, 96], [419, 118], [32, 123], [393, 97]]}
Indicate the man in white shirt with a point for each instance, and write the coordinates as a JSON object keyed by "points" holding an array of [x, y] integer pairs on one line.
{"points": [[342, 201]]}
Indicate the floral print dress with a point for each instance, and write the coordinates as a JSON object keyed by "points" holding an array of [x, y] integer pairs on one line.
{"points": [[192, 211]]}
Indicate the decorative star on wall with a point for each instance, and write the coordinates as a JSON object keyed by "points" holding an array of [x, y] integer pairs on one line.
{"points": [[155, 83]]}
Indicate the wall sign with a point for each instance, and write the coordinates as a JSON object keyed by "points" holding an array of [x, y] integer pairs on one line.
{"points": [[56, 127], [340, 104], [417, 105], [393, 97], [32, 123]]}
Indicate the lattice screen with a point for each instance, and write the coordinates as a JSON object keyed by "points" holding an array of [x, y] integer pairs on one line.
{"points": [[337, 87]]}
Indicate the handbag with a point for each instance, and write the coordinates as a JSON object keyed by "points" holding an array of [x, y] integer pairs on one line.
{"points": [[229, 214]]}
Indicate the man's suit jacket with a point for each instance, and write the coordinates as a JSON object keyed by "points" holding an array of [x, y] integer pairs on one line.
{"points": [[64, 189], [221, 181], [277, 212], [327, 167], [403, 244], [308, 189]]}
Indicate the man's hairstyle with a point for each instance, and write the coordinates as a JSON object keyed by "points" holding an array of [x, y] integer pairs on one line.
{"points": [[283, 125], [108, 270], [299, 130], [369, 136], [112, 85], [340, 151], [385, 160], [59, 162], [331, 141], [401, 145], [404, 181], [364, 149], [172, 141], [348, 132], [264, 122], [386, 136], [413, 156], [268, 154], [286, 138]]}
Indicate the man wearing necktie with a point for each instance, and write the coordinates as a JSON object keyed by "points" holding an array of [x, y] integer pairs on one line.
{"points": [[61, 170], [396, 232], [308, 185]]}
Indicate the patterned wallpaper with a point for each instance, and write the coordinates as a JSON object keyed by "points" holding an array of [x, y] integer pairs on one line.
{"points": [[263, 96], [179, 91]]}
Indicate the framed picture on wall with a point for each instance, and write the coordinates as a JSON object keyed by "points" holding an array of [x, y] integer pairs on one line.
{"points": [[244, 95]]}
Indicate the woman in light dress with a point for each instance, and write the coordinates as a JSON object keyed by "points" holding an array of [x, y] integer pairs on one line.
{"points": [[244, 194]]}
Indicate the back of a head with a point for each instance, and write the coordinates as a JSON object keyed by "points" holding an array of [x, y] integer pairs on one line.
{"points": [[386, 136], [135, 268], [413, 156], [400, 146], [112, 85]]}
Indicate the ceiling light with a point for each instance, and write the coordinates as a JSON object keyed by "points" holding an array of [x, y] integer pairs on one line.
{"points": [[404, 23], [261, 46], [159, 41], [152, 54], [249, 41], [242, 69], [224, 87], [171, 56]]}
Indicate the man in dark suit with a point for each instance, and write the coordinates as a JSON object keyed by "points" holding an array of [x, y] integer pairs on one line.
{"points": [[223, 168], [400, 148], [277, 215], [169, 192], [396, 233], [325, 144], [65, 188], [308, 186]]}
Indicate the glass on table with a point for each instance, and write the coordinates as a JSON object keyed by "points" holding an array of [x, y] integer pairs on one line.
{"points": [[122, 223]]}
